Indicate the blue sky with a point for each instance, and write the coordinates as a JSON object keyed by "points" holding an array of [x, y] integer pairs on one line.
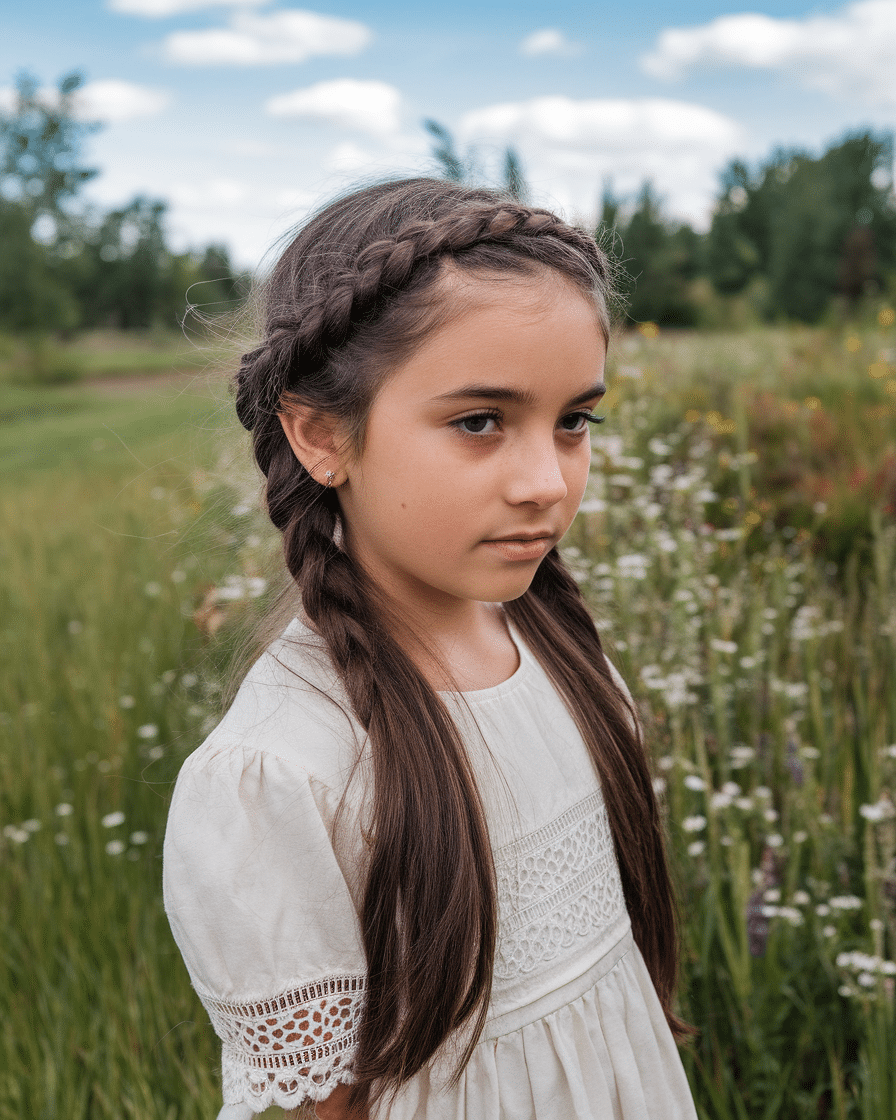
{"points": [[244, 114]]}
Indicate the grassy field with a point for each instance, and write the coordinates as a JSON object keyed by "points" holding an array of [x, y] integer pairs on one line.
{"points": [[738, 543], [98, 355]]}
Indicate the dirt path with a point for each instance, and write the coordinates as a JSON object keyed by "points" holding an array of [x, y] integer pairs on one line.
{"points": [[179, 379]]}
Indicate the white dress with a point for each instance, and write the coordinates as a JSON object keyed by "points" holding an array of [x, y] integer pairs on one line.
{"points": [[263, 895]]}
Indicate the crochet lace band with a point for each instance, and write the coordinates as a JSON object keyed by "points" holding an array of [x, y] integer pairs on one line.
{"points": [[555, 886], [284, 1050]]}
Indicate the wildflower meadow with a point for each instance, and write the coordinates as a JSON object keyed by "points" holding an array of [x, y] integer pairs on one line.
{"points": [[738, 546]]}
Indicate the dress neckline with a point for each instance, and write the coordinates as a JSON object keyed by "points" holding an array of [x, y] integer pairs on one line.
{"points": [[497, 691]]}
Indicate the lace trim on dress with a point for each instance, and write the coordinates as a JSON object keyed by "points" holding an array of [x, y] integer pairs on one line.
{"points": [[282, 1051], [555, 885]]}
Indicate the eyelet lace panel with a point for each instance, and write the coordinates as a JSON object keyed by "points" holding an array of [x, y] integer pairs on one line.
{"points": [[555, 885], [285, 1050]]}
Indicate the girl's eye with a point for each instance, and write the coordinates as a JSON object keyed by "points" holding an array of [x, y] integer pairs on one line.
{"points": [[577, 421], [482, 424], [488, 423]]}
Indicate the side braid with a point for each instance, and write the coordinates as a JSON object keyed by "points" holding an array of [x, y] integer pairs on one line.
{"points": [[433, 952], [573, 661]]}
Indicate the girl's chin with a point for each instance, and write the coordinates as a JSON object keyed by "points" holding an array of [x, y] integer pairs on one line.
{"points": [[506, 591]]}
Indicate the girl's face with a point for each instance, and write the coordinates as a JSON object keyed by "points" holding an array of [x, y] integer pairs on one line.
{"points": [[476, 450]]}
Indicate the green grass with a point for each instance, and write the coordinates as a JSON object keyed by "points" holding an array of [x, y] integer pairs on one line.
{"points": [[107, 353], [111, 527], [754, 621], [91, 433], [110, 354]]}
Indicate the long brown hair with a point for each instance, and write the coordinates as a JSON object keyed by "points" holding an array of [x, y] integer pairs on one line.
{"points": [[350, 297]]}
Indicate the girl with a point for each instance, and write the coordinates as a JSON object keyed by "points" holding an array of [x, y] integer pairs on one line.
{"points": [[417, 871]]}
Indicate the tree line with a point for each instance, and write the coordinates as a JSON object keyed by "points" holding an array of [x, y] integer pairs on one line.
{"points": [[66, 266], [795, 238]]}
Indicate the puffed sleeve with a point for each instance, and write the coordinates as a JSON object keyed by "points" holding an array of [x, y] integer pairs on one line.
{"points": [[264, 918]]}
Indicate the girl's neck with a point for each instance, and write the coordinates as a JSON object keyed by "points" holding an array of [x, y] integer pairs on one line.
{"points": [[467, 658], [458, 657]]}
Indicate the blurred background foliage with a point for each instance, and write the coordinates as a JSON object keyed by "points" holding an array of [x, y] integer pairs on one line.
{"points": [[796, 238], [65, 266]]}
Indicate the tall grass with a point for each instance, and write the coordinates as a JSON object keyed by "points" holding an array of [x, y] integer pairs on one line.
{"points": [[766, 673], [105, 686], [761, 653]]}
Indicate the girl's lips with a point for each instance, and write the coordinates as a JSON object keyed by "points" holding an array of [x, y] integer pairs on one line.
{"points": [[522, 548]]}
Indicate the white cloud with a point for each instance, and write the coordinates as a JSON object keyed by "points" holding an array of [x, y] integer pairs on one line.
{"points": [[111, 101], [350, 158], [548, 41], [212, 194], [405, 154], [156, 9], [258, 40], [247, 214], [569, 147], [606, 124], [250, 228], [850, 54], [368, 106], [114, 101]]}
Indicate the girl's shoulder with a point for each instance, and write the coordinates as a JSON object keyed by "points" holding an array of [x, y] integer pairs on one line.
{"points": [[292, 707]]}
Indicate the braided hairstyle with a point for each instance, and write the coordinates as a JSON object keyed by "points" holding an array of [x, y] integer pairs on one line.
{"points": [[350, 298]]}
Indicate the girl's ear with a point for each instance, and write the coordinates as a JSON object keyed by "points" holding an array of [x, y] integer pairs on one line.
{"points": [[313, 439]]}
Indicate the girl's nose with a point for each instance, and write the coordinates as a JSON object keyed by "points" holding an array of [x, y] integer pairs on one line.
{"points": [[536, 477]]}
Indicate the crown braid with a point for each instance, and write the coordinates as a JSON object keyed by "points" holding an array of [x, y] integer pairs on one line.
{"points": [[350, 291]]}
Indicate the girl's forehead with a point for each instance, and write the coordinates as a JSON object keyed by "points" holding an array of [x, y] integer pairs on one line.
{"points": [[537, 286], [500, 306], [526, 333], [497, 305]]}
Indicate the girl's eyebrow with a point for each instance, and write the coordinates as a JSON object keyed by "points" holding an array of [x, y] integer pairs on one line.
{"points": [[513, 396], [597, 390]]}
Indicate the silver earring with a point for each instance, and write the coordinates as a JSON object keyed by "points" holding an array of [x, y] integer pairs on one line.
{"points": [[330, 476]]}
